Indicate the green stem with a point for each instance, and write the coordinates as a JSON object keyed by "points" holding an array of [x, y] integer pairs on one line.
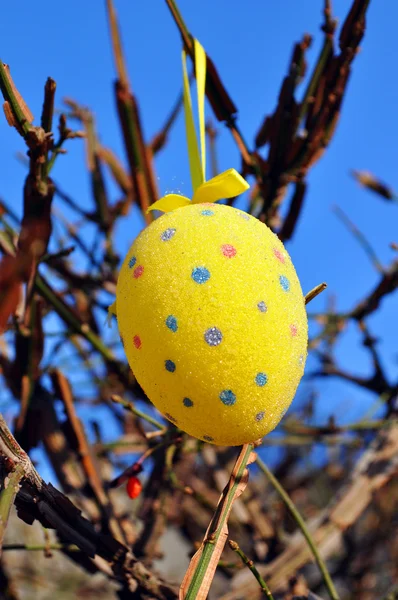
{"points": [[359, 236], [68, 317], [301, 439], [54, 153], [186, 36], [64, 312], [313, 83], [39, 547], [312, 431], [114, 446], [136, 411], [392, 594], [229, 565], [178, 485], [301, 523], [220, 521], [7, 497], [250, 564], [10, 97]]}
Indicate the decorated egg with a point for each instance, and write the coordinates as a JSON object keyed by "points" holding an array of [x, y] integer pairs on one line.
{"points": [[209, 306], [213, 322]]}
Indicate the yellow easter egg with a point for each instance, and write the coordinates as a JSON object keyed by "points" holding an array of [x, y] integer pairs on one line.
{"points": [[213, 322]]}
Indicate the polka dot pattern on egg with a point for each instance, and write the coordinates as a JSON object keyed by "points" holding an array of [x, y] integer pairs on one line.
{"points": [[138, 271], [171, 323], [279, 255], [170, 366], [213, 320], [285, 283], [227, 397], [200, 274], [167, 234], [262, 307], [213, 336], [228, 250], [261, 379]]}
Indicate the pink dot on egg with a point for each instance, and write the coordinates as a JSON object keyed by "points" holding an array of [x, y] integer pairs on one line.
{"points": [[293, 330], [138, 271], [279, 255], [228, 250], [137, 342]]}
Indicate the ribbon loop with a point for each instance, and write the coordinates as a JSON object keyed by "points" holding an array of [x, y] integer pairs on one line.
{"points": [[225, 185], [169, 202]]}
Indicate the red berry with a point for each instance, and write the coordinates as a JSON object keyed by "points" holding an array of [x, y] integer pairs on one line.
{"points": [[134, 487]]}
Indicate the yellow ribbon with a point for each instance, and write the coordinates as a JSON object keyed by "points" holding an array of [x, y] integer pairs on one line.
{"points": [[225, 185]]}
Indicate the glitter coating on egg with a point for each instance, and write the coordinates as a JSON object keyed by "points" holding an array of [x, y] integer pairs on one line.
{"points": [[213, 322]]}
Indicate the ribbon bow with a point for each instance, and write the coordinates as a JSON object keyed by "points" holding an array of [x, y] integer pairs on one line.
{"points": [[225, 185]]}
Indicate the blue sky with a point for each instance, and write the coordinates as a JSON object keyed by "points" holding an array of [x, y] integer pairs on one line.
{"points": [[251, 44]]}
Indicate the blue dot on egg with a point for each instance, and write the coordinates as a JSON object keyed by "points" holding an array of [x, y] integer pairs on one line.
{"points": [[171, 323], [187, 402], [261, 379], [227, 397], [132, 262], [260, 415], [170, 366], [207, 212], [200, 274], [285, 283]]}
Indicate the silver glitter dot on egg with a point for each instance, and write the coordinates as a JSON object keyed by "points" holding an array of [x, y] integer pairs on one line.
{"points": [[260, 415], [301, 360], [262, 307], [167, 234], [213, 336]]}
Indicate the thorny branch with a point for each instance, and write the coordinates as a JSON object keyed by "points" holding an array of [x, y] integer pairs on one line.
{"points": [[41, 501]]}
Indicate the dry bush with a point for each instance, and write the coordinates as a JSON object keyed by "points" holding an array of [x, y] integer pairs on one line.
{"points": [[141, 548]]}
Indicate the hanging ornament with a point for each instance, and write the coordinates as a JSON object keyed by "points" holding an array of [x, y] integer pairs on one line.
{"points": [[209, 306]]}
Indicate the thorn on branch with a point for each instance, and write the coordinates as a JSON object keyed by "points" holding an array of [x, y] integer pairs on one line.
{"points": [[315, 292]]}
